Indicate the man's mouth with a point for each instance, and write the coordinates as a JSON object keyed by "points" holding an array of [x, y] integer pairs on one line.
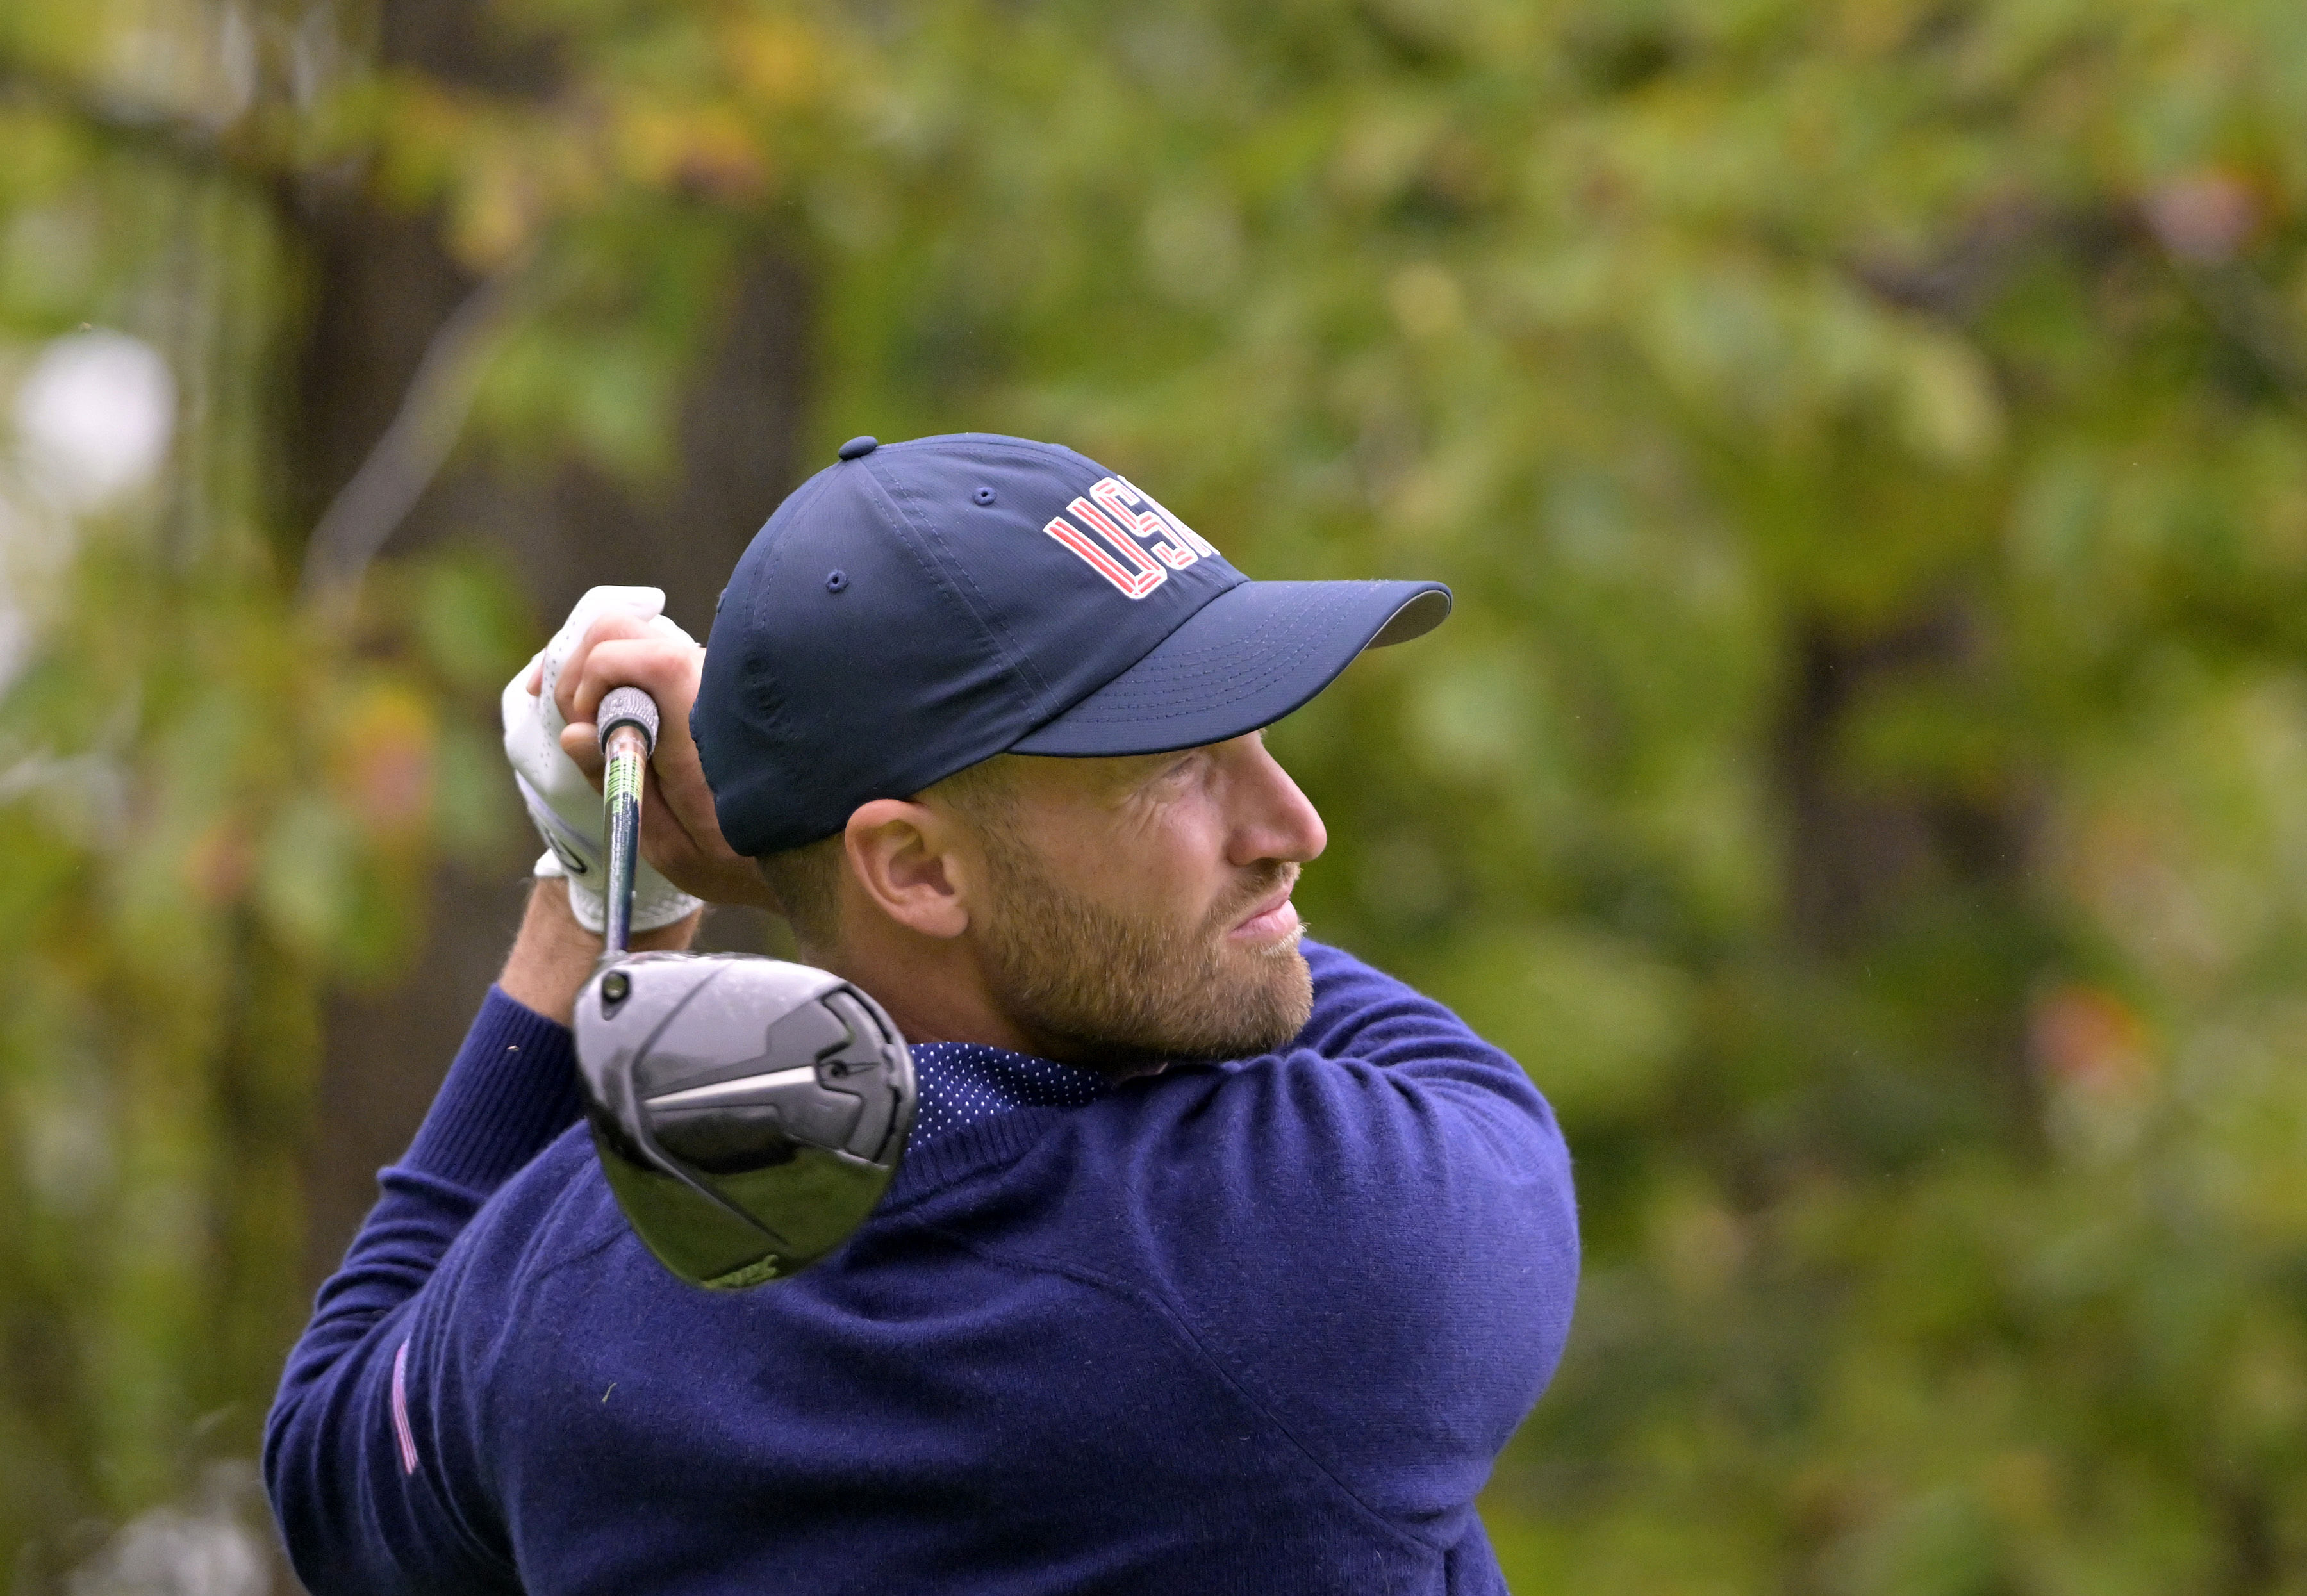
{"points": [[1272, 918]]}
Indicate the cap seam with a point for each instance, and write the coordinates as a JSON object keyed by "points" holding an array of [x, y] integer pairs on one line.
{"points": [[901, 528], [761, 683], [903, 497]]}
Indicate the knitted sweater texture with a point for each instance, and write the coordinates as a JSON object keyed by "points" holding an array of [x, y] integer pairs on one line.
{"points": [[1252, 1327]]}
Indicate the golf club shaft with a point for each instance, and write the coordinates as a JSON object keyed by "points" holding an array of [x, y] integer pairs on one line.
{"points": [[626, 748]]}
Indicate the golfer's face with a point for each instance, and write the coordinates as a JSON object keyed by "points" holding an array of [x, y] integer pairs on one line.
{"points": [[1203, 843]]}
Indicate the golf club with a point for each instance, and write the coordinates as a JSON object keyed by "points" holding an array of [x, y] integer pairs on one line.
{"points": [[749, 1113]]}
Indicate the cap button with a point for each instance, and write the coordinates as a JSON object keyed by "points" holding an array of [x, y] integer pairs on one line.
{"points": [[857, 446]]}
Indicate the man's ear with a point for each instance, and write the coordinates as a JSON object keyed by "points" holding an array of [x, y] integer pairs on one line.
{"points": [[901, 856]]}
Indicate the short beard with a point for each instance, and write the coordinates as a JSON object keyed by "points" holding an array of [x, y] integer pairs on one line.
{"points": [[1120, 995]]}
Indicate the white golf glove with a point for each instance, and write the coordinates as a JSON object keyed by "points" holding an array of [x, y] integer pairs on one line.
{"points": [[563, 804]]}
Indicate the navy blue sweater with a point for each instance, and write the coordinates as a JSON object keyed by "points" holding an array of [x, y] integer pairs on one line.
{"points": [[1258, 1327]]}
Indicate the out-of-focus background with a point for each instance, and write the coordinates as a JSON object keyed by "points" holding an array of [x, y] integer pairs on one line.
{"points": [[1865, 780]]}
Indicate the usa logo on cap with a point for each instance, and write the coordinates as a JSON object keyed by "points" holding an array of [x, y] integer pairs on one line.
{"points": [[1113, 505]]}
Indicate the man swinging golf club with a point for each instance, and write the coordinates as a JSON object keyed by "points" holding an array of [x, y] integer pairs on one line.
{"points": [[1217, 1260]]}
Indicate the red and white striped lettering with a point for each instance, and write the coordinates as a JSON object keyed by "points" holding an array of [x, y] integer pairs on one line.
{"points": [[1134, 584], [1116, 518], [1120, 498], [1127, 546], [1193, 540]]}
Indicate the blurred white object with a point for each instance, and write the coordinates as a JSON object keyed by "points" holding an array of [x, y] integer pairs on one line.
{"points": [[207, 1548], [94, 416]]}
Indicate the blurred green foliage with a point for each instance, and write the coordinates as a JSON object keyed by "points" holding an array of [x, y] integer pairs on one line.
{"points": [[1861, 780]]}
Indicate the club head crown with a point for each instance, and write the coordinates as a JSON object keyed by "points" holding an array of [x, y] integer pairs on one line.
{"points": [[748, 1112]]}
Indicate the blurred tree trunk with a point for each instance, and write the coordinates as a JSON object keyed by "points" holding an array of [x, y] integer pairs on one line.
{"points": [[382, 285], [1858, 851], [1873, 857]]}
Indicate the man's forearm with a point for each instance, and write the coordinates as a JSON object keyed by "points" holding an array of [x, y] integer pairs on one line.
{"points": [[512, 1091], [554, 957]]}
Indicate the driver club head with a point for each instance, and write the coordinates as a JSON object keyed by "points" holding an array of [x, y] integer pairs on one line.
{"points": [[748, 1112]]}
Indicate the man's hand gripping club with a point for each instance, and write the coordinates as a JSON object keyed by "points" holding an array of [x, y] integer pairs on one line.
{"points": [[615, 637]]}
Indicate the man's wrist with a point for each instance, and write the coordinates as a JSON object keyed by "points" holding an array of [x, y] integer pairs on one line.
{"points": [[553, 955]]}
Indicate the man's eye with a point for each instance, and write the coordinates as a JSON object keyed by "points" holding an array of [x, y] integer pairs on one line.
{"points": [[1173, 772]]}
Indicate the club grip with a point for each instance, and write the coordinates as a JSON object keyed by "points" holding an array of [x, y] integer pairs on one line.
{"points": [[628, 707], [620, 804]]}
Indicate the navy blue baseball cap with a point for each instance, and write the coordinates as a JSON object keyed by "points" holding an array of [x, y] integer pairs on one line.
{"points": [[918, 607]]}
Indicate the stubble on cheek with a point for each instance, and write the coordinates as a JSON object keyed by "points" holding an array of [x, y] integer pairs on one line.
{"points": [[1111, 990]]}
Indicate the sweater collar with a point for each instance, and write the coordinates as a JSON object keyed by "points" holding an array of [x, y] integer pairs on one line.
{"points": [[963, 1082]]}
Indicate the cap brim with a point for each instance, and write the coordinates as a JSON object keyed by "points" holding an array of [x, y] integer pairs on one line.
{"points": [[1242, 661]]}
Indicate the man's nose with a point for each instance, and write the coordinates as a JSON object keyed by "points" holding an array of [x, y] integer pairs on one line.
{"points": [[1272, 820]]}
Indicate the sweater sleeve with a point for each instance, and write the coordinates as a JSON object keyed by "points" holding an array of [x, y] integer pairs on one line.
{"points": [[1373, 1232], [368, 1499]]}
